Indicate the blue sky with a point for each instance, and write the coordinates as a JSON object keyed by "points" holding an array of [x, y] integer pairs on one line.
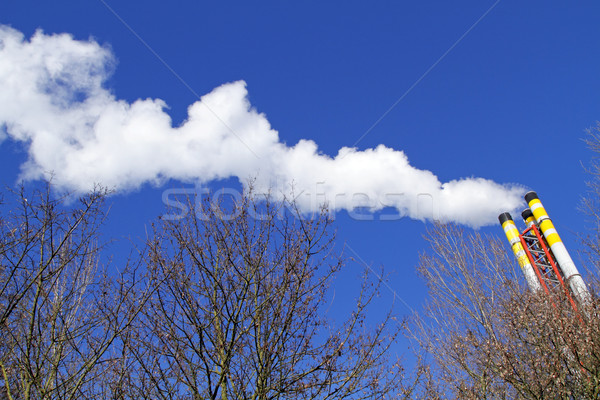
{"points": [[500, 90]]}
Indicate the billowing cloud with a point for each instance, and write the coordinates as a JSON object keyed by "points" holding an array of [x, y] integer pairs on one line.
{"points": [[52, 99]]}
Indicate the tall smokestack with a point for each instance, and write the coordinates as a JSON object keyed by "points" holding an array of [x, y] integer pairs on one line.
{"points": [[528, 217], [557, 247], [512, 234]]}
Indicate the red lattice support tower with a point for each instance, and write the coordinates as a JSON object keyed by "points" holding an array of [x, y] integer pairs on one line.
{"points": [[543, 263]]}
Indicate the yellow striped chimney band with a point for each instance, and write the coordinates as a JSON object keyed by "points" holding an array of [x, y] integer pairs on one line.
{"points": [[512, 234]]}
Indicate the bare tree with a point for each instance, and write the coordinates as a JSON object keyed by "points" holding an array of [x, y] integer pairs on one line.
{"points": [[490, 337], [590, 206], [61, 312], [239, 312]]}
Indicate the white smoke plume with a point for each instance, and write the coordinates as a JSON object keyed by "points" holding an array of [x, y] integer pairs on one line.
{"points": [[52, 99]]}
